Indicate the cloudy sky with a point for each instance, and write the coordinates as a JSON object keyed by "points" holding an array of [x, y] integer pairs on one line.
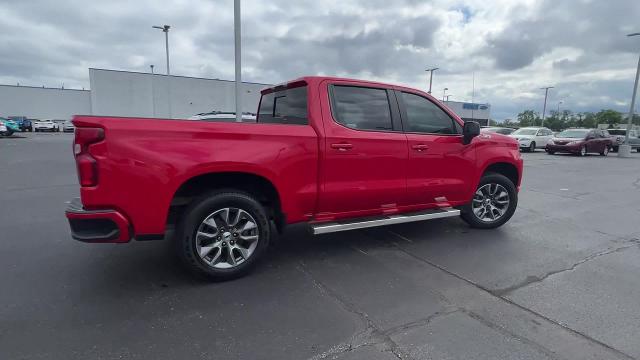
{"points": [[514, 47]]}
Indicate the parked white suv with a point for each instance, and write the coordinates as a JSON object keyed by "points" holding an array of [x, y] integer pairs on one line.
{"points": [[532, 138], [45, 125]]}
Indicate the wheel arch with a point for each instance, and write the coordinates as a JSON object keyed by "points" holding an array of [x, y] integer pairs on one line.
{"points": [[253, 184], [509, 170]]}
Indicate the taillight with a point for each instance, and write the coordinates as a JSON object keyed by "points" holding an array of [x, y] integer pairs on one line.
{"points": [[86, 163]]}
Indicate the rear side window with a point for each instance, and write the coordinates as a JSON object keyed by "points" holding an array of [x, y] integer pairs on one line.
{"points": [[287, 106], [361, 108], [423, 116]]}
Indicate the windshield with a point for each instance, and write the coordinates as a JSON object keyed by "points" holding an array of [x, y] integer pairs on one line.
{"points": [[617, 132], [576, 134], [525, 132]]}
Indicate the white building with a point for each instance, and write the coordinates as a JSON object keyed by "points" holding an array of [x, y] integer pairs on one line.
{"points": [[125, 93], [471, 111]]}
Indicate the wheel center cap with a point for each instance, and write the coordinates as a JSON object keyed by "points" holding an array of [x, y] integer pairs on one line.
{"points": [[226, 235]]}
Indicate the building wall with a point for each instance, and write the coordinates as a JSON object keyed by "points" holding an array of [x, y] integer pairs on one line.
{"points": [[468, 111], [43, 103], [121, 93]]}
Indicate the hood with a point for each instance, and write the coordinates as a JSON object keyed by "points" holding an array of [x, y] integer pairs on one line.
{"points": [[561, 140], [517, 136]]}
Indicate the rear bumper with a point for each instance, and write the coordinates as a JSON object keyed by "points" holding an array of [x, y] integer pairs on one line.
{"points": [[97, 226]]}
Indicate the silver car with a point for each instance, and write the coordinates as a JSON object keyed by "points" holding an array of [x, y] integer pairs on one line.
{"points": [[68, 127]]}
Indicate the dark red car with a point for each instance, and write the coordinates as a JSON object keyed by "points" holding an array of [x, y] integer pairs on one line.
{"points": [[580, 142]]}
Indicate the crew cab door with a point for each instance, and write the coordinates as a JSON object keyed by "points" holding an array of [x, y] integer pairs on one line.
{"points": [[363, 168], [440, 165]]}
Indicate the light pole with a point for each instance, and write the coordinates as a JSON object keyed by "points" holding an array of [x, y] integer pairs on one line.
{"points": [[544, 108], [448, 97], [238, 53], [624, 150], [444, 93], [558, 111], [165, 29], [151, 66], [431, 76]]}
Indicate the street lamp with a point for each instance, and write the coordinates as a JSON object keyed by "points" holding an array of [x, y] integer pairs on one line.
{"points": [[624, 150], [448, 97], [238, 53], [151, 66], [431, 76], [165, 29], [558, 111], [444, 93], [544, 109]]}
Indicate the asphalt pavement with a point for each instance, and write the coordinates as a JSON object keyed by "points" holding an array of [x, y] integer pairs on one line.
{"points": [[561, 280]]}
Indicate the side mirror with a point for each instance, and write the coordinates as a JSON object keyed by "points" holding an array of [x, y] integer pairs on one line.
{"points": [[470, 130]]}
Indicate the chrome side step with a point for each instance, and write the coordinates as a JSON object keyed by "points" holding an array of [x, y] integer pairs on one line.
{"points": [[324, 228]]}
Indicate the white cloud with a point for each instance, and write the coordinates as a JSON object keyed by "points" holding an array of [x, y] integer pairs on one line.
{"points": [[514, 47]]}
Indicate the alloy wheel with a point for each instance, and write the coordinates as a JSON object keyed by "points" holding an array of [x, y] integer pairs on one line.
{"points": [[227, 238], [490, 202]]}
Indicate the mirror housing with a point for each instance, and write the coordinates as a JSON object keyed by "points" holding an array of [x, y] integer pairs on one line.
{"points": [[470, 130]]}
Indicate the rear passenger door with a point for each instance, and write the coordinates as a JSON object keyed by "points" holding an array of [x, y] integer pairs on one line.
{"points": [[440, 165], [365, 152]]}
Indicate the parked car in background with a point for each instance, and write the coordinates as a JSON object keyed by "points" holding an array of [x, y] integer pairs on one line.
{"points": [[68, 127], [498, 130], [10, 127], [45, 125], [3, 127], [580, 142], [23, 123], [618, 135], [532, 138]]}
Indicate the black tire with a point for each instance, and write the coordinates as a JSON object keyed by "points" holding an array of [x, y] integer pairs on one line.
{"points": [[582, 151], [614, 149], [469, 216], [605, 152], [198, 211], [550, 152], [532, 146]]}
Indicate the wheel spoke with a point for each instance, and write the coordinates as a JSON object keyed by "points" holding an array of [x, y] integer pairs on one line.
{"points": [[211, 222], [206, 234], [248, 226], [236, 219], [249, 238], [244, 252], [216, 257], [230, 257]]}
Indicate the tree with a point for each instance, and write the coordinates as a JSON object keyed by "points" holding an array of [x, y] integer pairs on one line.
{"points": [[608, 117], [527, 118]]}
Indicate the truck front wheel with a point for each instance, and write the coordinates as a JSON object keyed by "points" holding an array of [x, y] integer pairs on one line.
{"points": [[493, 203], [223, 235]]}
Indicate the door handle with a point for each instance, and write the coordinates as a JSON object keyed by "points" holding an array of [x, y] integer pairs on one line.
{"points": [[342, 146], [419, 147]]}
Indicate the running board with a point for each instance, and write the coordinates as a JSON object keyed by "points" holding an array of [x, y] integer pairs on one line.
{"points": [[324, 228]]}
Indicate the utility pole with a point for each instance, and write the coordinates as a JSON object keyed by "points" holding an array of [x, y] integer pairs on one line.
{"points": [[558, 111], [165, 29], [624, 150], [151, 66], [431, 76], [544, 109], [444, 93], [238, 53]]}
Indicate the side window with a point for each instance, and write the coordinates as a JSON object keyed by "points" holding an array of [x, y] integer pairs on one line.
{"points": [[423, 116], [287, 106], [361, 108]]}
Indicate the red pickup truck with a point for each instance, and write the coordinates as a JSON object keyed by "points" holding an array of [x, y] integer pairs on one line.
{"points": [[334, 153]]}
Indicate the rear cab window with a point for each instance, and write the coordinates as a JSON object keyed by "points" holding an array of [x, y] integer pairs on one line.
{"points": [[285, 106]]}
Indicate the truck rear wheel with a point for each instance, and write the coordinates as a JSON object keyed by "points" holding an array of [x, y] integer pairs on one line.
{"points": [[493, 203], [223, 235]]}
